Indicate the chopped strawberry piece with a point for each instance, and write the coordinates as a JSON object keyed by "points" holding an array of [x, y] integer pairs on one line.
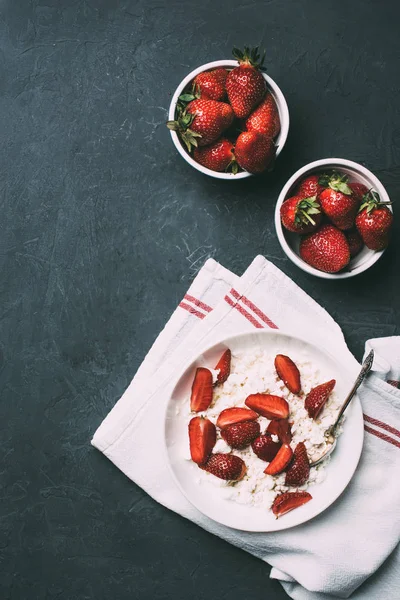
{"points": [[299, 469], [288, 372], [281, 428], [265, 448], [268, 405], [229, 416], [202, 390], [281, 461], [288, 501], [316, 398], [202, 438], [224, 366], [241, 435], [226, 466]]}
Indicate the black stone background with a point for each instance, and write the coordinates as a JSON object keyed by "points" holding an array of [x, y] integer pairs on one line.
{"points": [[103, 227]]}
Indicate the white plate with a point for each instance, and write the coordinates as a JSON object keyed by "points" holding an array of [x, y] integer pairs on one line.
{"points": [[206, 497]]}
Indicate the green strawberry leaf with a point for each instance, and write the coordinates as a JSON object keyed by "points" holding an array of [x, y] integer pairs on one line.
{"points": [[187, 97]]}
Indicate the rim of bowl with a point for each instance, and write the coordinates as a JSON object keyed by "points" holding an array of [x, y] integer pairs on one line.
{"points": [[280, 101], [308, 168]]}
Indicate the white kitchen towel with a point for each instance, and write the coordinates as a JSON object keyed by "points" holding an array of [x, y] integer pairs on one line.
{"points": [[332, 555]]}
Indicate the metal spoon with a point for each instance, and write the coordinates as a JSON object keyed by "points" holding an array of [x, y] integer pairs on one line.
{"points": [[330, 432]]}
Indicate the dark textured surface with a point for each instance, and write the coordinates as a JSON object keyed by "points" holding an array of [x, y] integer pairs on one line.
{"points": [[102, 228]]}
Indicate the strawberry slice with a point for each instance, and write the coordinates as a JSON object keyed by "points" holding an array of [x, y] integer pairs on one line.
{"points": [[202, 390], [265, 448], [281, 461], [299, 469], [317, 397], [229, 416], [288, 501], [267, 405], [240, 435], [226, 466], [281, 428], [202, 438], [288, 372], [224, 366]]}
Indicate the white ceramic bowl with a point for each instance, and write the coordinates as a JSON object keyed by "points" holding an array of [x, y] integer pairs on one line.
{"points": [[290, 241], [228, 64]]}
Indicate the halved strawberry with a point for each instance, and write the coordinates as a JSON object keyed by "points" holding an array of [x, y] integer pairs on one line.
{"points": [[202, 390], [265, 448], [288, 372], [241, 435], [299, 469], [202, 438], [224, 366], [268, 405], [288, 501], [281, 460], [317, 397], [226, 466], [281, 428], [229, 416]]}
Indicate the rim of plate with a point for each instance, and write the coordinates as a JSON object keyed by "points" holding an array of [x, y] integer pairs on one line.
{"points": [[356, 455]]}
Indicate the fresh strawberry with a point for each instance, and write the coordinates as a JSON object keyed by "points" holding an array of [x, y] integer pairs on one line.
{"points": [[268, 405], [202, 438], [301, 215], [338, 201], [265, 448], [281, 460], [281, 428], [265, 118], [202, 390], [211, 84], [317, 397], [288, 501], [355, 242], [326, 249], [224, 366], [230, 416], [202, 122], [226, 466], [217, 157], [374, 222], [359, 190], [288, 372], [309, 187], [240, 435], [299, 469], [245, 84], [254, 151]]}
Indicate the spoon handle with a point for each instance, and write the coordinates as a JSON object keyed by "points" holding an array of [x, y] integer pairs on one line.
{"points": [[365, 369]]}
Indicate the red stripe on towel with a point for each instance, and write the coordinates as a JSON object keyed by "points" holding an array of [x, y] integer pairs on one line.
{"points": [[192, 310], [198, 303], [382, 436], [254, 308], [244, 312], [382, 425]]}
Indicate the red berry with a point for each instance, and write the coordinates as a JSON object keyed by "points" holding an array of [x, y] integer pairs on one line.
{"points": [[355, 242], [316, 398], [288, 501], [229, 416], [288, 373], [281, 460], [202, 390], [374, 222], [326, 249], [265, 118], [254, 151], [241, 435], [226, 466], [309, 187], [265, 448], [202, 438], [211, 84], [268, 405], [217, 157], [299, 469], [224, 366], [245, 84]]}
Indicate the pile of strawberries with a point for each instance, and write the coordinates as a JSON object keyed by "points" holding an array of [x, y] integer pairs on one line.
{"points": [[335, 218], [228, 119], [239, 428]]}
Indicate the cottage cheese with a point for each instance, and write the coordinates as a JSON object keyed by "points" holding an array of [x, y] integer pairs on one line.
{"points": [[253, 372]]}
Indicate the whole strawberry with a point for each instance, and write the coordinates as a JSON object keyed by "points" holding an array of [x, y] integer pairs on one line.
{"points": [[202, 122], [301, 215], [309, 187], [245, 84], [355, 242], [240, 435], [338, 201], [211, 84], [326, 249], [226, 466], [299, 469], [217, 156], [359, 190], [254, 151], [374, 222], [265, 118]]}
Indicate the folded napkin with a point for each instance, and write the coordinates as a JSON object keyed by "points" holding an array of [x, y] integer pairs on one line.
{"points": [[332, 555]]}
